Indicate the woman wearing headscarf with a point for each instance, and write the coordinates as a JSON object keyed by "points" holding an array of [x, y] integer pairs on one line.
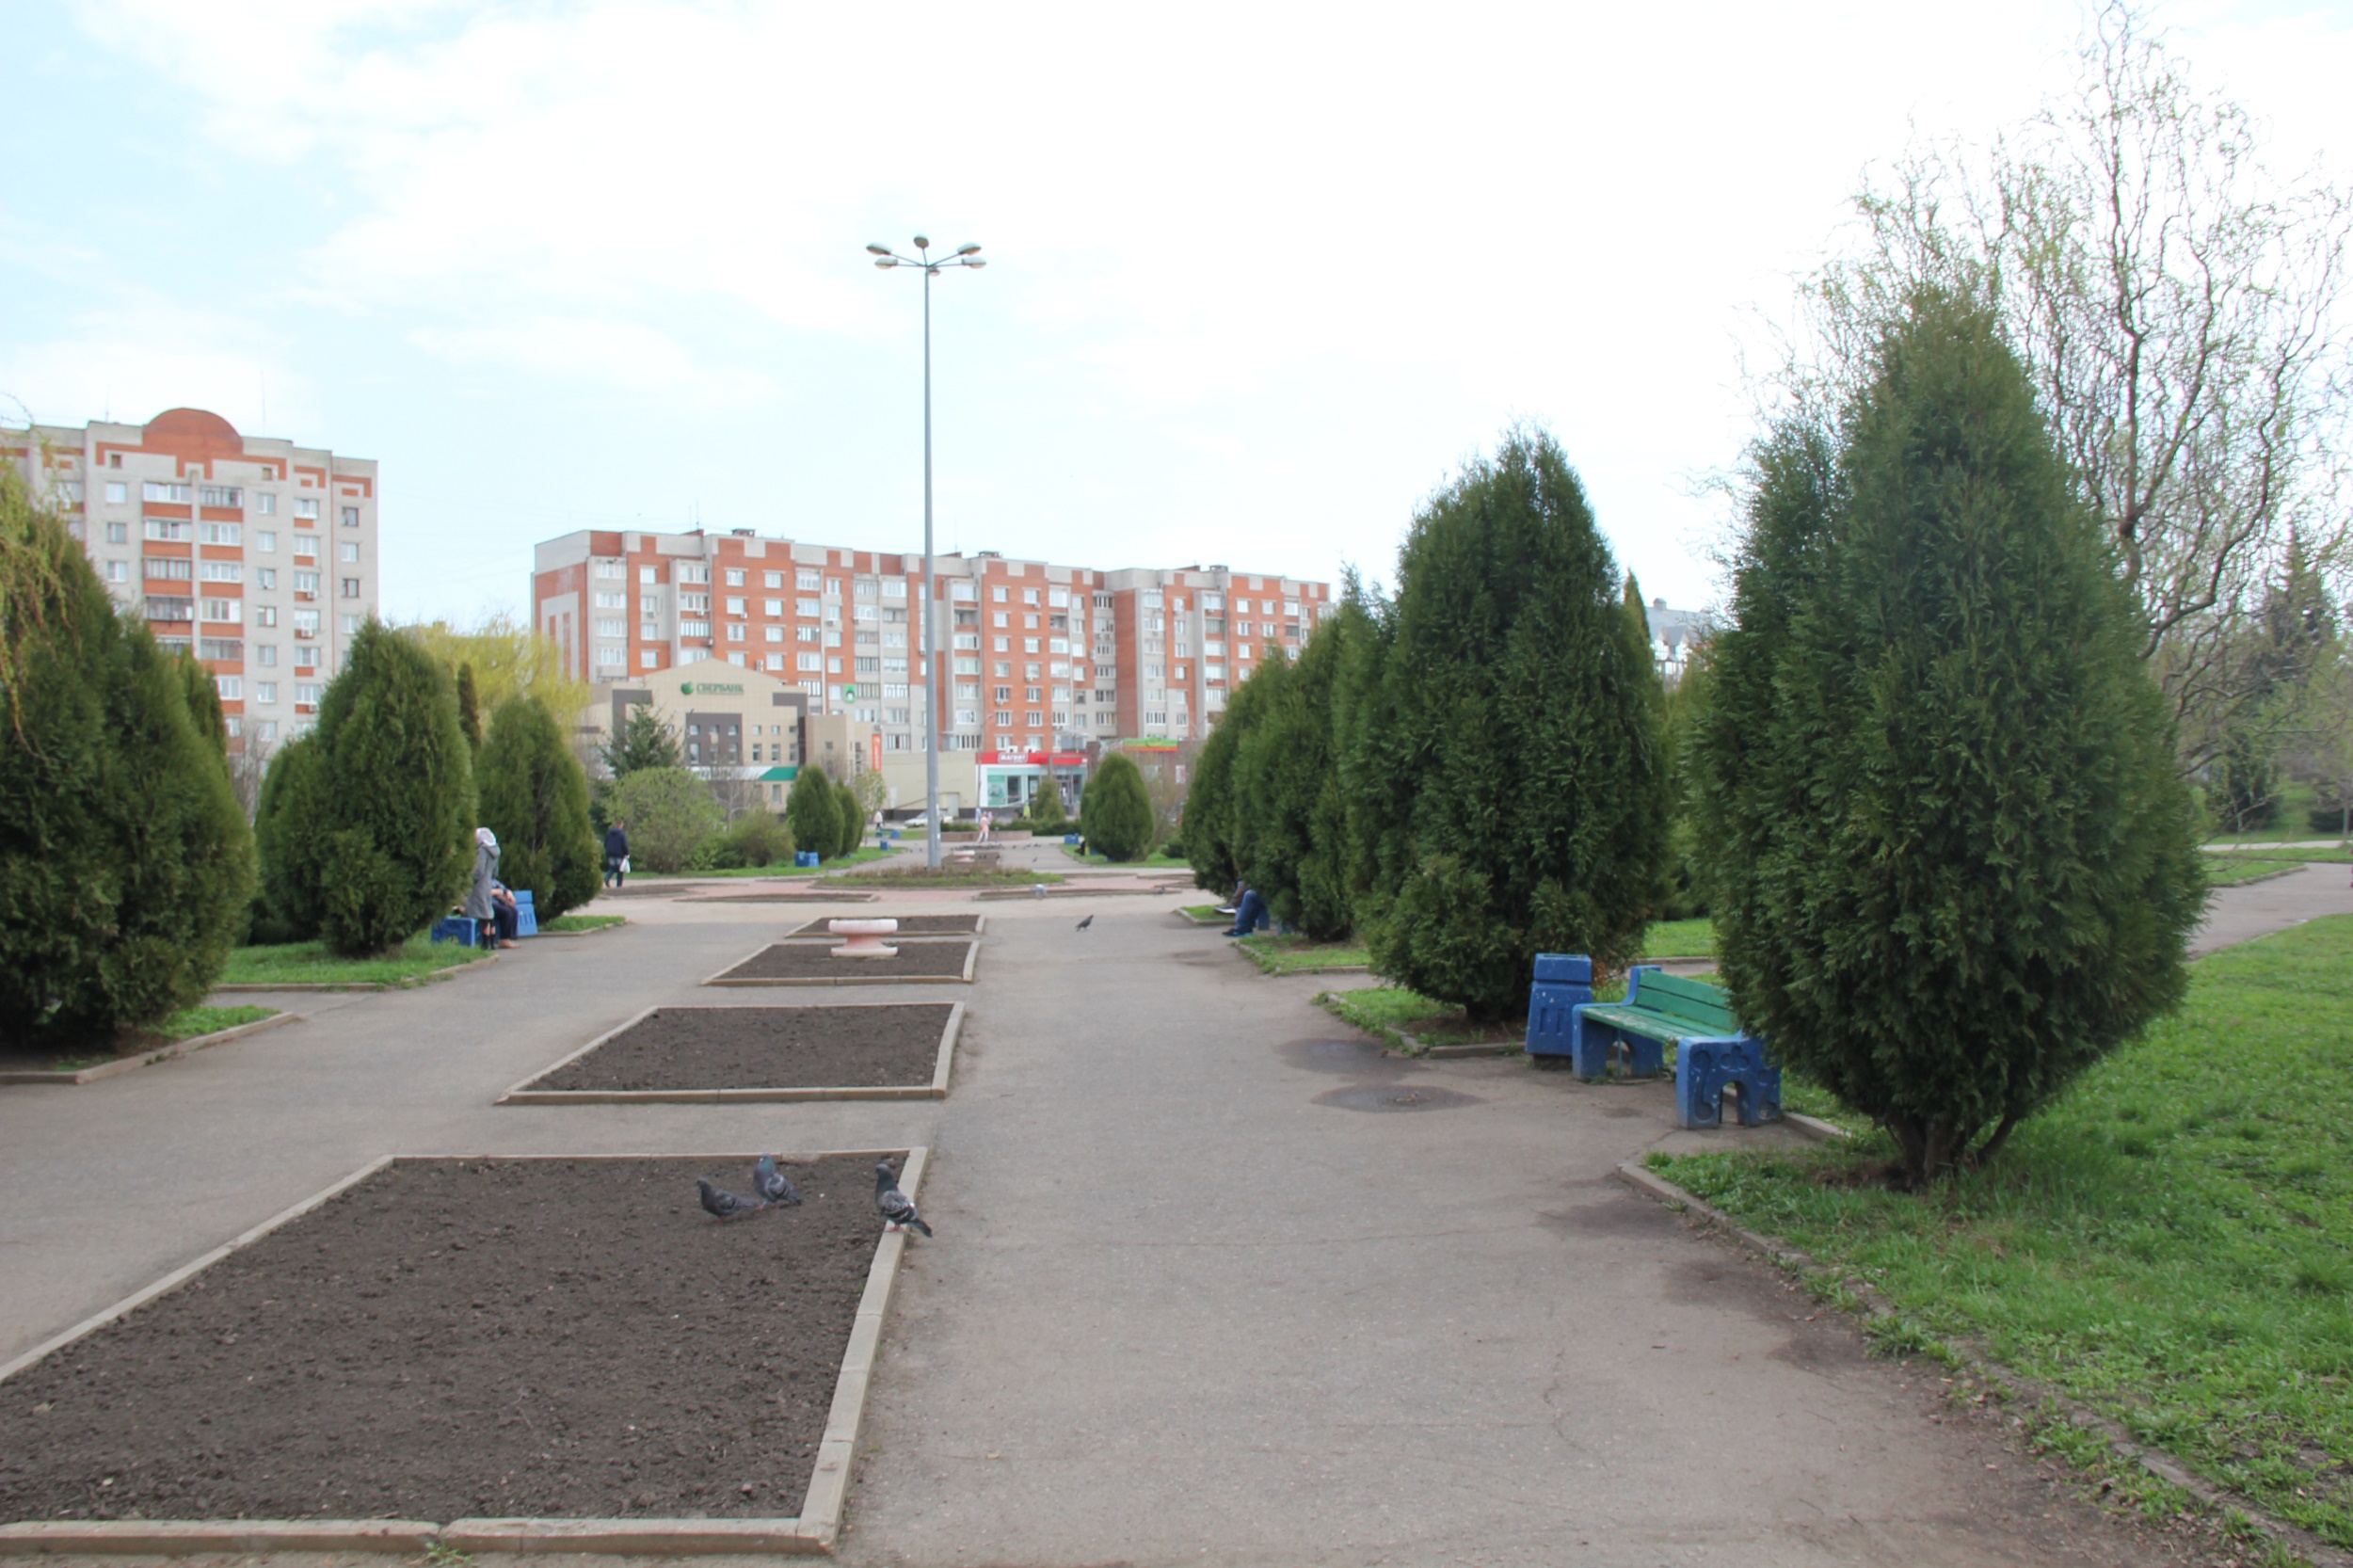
{"points": [[487, 899]]}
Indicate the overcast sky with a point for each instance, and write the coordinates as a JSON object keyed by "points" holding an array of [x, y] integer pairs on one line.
{"points": [[1262, 276]]}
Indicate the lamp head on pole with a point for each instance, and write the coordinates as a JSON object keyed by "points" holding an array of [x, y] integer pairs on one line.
{"points": [[967, 249], [886, 262], [879, 250], [922, 244]]}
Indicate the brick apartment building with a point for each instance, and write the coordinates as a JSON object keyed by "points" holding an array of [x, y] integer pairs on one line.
{"points": [[1041, 660], [256, 555]]}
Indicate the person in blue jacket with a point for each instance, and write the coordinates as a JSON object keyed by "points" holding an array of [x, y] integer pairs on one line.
{"points": [[616, 855]]}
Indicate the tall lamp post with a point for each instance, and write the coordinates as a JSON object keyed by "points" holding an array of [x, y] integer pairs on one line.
{"points": [[886, 257]]}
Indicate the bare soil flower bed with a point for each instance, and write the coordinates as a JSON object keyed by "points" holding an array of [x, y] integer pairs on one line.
{"points": [[788, 963], [454, 1338], [762, 1048], [910, 925]]}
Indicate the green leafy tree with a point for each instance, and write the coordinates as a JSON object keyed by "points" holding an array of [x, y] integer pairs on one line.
{"points": [[470, 715], [1116, 812], [535, 797], [378, 837], [125, 865], [1952, 862], [810, 813], [670, 815], [1046, 812], [1513, 788]]}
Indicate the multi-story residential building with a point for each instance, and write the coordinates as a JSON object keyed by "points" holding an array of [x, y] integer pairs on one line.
{"points": [[257, 556], [1040, 661]]}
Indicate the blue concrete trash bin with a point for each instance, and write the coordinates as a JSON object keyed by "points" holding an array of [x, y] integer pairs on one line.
{"points": [[805, 859], [526, 918], [1563, 981]]}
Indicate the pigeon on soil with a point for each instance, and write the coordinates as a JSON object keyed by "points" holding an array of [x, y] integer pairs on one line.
{"points": [[771, 1185], [720, 1204], [1088, 922], [897, 1212]]}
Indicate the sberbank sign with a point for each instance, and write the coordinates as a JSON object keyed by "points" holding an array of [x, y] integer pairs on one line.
{"points": [[712, 688]]}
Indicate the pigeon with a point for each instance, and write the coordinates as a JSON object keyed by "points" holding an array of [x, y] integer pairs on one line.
{"points": [[720, 1204], [771, 1185], [1037, 889], [1088, 922], [897, 1212]]}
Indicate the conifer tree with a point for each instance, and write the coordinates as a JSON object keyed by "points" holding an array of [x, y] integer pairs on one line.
{"points": [[1209, 827], [125, 865], [289, 830], [382, 830], [1047, 813], [1286, 802], [535, 797], [810, 811], [470, 714], [1951, 860], [850, 813], [202, 697], [1516, 769], [645, 741], [1117, 812]]}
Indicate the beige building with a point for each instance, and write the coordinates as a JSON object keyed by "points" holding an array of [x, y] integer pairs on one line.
{"points": [[257, 556], [738, 724]]}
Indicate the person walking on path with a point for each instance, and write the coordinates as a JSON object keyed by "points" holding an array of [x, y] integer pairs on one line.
{"points": [[487, 899], [616, 855]]}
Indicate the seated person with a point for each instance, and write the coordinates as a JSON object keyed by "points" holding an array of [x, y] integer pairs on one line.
{"points": [[1250, 913]]}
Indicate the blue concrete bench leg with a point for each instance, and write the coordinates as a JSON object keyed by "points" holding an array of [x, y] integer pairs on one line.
{"points": [[1598, 1043], [1706, 1069]]}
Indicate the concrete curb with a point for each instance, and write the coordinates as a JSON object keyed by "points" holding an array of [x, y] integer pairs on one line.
{"points": [[521, 1094], [971, 959], [979, 928], [1067, 891], [592, 931], [435, 978], [148, 1058], [187, 1272], [1972, 1356], [813, 1531], [781, 898], [193, 1537]]}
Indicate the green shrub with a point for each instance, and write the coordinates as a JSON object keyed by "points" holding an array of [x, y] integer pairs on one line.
{"points": [[1951, 860], [1116, 812], [757, 839], [1506, 784], [850, 820], [125, 865], [535, 797], [670, 815], [1047, 813], [811, 813]]}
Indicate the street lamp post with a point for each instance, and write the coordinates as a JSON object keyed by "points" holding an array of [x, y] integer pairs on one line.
{"points": [[886, 258]]}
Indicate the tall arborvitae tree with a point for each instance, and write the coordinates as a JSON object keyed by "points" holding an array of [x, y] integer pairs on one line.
{"points": [[1046, 811], [1516, 748], [1291, 821], [202, 696], [470, 712], [1952, 862], [387, 815], [124, 862], [1116, 812], [535, 797], [289, 832], [850, 813], [1208, 827], [810, 811]]}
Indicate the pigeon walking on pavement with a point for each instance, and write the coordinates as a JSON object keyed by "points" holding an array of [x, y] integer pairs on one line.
{"points": [[720, 1204], [897, 1212], [1088, 922], [771, 1185]]}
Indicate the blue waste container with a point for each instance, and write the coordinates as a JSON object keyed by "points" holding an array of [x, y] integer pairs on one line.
{"points": [[1563, 981]]}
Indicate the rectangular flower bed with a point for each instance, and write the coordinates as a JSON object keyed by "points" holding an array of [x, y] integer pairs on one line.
{"points": [[861, 1050], [910, 925], [814, 963]]}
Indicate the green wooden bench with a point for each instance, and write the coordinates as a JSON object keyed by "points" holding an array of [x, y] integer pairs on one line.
{"points": [[1713, 1052]]}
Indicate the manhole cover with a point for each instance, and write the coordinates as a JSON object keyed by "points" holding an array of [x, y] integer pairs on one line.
{"points": [[1395, 1097]]}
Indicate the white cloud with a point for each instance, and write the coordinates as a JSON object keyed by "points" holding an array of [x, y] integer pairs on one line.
{"points": [[132, 360], [609, 353]]}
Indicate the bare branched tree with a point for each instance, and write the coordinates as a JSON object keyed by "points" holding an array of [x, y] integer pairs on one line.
{"points": [[2181, 307]]}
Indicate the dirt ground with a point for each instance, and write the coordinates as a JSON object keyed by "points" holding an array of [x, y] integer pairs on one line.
{"points": [[910, 925], [764, 1047], [811, 960], [562, 1338]]}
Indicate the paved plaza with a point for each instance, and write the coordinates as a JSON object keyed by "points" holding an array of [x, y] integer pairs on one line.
{"points": [[1215, 1282]]}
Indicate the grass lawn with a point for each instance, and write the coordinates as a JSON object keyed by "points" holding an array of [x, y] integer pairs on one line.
{"points": [[1155, 861], [1203, 912], [582, 922], [1680, 939], [1390, 1011], [190, 1022], [310, 964], [2172, 1243], [1298, 955], [2228, 871]]}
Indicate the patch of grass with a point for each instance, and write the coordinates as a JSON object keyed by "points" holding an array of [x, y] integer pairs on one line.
{"points": [[1202, 911], [2168, 1244], [1392, 1012], [1155, 861], [2228, 871], [582, 922], [1680, 939], [1298, 955], [310, 964], [190, 1022]]}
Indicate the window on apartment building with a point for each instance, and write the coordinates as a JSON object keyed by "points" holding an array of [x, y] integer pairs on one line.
{"points": [[219, 533], [305, 691], [306, 659], [306, 507], [265, 502], [735, 577], [807, 607], [1029, 596], [169, 530], [118, 571], [771, 606], [803, 634], [168, 568], [265, 614], [895, 588], [306, 582], [647, 574], [808, 581], [612, 629], [221, 495], [266, 691], [809, 662], [351, 517], [1028, 623], [1034, 720], [228, 612], [772, 634], [223, 571], [265, 542], [231, 687], [265, 653], [175, 495], [347, 625], [116, 491], [648, 658], [735, 631], [611, 601], [833, 587], [611, 570], [694, 629], [118, 532], [348, 550], [305, 549], [964, 590], [865, 587], [735, 606]]}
